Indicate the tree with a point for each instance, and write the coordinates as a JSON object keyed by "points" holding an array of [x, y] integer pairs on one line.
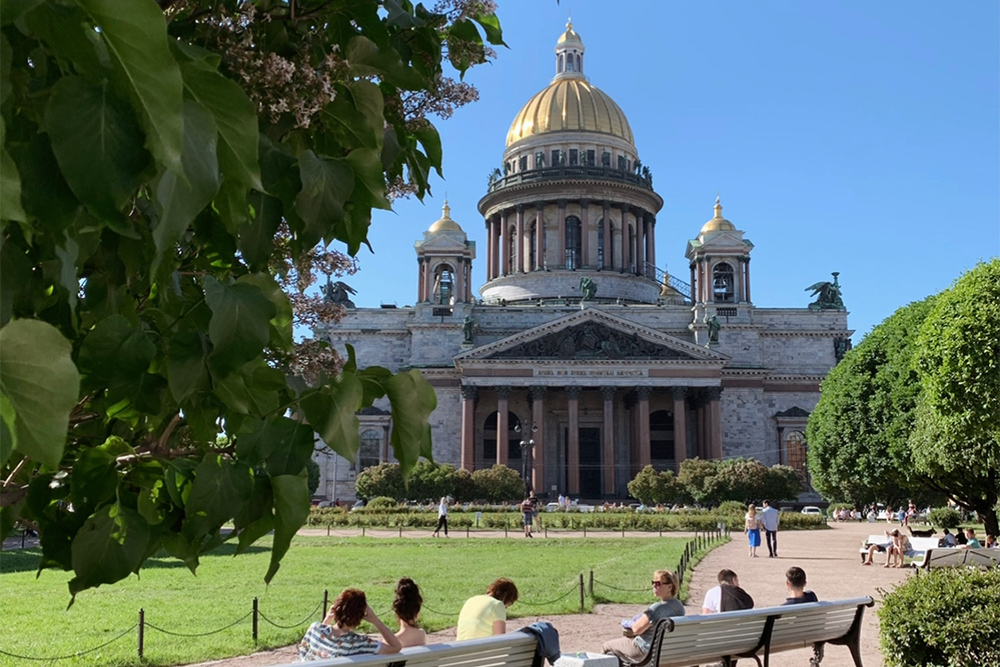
{"points": [[498, 484], [148, 159], [858, 435], [313, 475], [749, 480], [430, 481], [956, 440], [695, 476], [652, 487], [385, 480]]}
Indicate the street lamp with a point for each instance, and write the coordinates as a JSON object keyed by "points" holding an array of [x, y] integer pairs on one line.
{"points": [[526, 451]]}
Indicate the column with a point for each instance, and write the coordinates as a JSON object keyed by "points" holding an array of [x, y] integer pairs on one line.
{"points": [[622, 238], [680, 426], [609, 261], [540, 237], [637, 244], [585, 261], [428, 281], [489, 249], [651, 239], [519, 243], [538, 419], [504, 245], [503, 428], [715, 421], [497, 226], [608, 440], [703, 449], [694, 286], [645, 454], [561, 241], [460, 280], [746, 276], [573, 456], [468, 427]]}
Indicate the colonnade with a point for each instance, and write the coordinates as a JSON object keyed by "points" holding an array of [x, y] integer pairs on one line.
{"points": [[553, 408], [516, 243], [431, 268]]}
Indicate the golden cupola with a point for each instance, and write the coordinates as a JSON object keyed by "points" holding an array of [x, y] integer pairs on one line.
{"points": [[445, 223], [570, 102], [718, 223]]}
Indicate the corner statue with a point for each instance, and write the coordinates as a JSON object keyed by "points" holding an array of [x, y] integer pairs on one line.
{"points": [[588, 288], [467, 325], [829, 295], [338, 292]]}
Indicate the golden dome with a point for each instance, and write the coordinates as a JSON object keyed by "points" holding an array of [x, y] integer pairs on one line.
{"points": [[718, 223], [445, 224], [570, 104], [570, 36]]}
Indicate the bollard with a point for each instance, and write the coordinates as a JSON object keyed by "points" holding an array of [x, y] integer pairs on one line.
{"points": [[581, 591], [326, 604], [546, 531], [142, 631], [255, 612]]}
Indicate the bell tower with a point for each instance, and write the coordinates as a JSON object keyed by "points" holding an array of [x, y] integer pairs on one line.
{"points": [[444, 261]]}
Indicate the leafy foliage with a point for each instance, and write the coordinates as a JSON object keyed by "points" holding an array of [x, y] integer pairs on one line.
{"points": [[948, 617], [742, 480], [385, 479], [498, 484], [944, 517], [652, 487], [429, 481], [149, 157]]}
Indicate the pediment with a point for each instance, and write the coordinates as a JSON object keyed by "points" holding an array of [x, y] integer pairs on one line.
{"points": [[443, 242], [591, 335]]}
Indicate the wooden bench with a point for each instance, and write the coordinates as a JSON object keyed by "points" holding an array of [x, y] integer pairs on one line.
{"points": [[955, 557], [514, 649], [757, 633]]}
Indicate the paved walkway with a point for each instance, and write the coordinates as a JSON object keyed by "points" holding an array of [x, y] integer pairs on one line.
{"points": [[829, 557]]}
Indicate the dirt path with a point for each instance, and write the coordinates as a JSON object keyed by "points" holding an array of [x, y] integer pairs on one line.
{"points": [[829, 557]]}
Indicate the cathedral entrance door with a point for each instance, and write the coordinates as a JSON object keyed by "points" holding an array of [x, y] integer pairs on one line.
{"points": [[590, 463]]}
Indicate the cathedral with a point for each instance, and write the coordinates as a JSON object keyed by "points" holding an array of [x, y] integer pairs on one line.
{"points": [[581, 361]]}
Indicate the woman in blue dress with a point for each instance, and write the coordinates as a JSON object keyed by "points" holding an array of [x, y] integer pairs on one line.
{"points": [[752, 529]]}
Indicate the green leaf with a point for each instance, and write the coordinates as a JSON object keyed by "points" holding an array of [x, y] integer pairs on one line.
{"points": [[221, 488], [10, 182], [109, 547], [138, 41], [326, 186], [113, 353], [241, 393], [367, 166], [8, 432], [331, 412], [413, 400], [97, 143], [256, 519], [38, 378], [44, 193], [256, 237], [180, 196], [281, 323], [429, 138], [356, 116], [291, 509], [240, 322], [187, 371], [291, 453], [491, 25], [94, 480], [66, 31], [235, 117]]}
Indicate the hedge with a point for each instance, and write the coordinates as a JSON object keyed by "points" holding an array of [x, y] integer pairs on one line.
{"points": [[943, 618]]}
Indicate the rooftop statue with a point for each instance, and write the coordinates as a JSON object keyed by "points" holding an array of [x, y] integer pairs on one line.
{"points": [[588, 288], [338, 292], [829, 297], [713, 329], [467, 326]]}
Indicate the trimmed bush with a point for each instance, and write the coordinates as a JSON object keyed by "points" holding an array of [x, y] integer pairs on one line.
{"points": [[944, 517], [382, 503], [944, 618]]}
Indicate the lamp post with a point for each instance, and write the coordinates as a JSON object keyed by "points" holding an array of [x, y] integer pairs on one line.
{"points": [[526, 453]]}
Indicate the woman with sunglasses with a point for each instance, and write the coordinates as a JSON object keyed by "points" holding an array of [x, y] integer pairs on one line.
{"points": [[638, 633]]}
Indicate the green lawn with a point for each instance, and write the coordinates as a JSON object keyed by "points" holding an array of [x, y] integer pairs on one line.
{"points": [[35, 621]]}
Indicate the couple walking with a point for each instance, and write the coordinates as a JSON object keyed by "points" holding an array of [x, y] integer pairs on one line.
{"points": [[767, 520]]}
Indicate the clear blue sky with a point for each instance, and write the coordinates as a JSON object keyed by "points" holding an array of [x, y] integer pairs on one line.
{"points": [[859, 137]]}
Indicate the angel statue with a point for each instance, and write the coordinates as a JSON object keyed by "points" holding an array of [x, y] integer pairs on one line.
{"points": [[827, 295], [338, 292], [588, 288]]}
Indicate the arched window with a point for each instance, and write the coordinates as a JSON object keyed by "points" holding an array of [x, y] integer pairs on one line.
{"points": [[573, 242], [722, 283], [444, 286], [661, 437], [600, 244], [569, 63], [371, 446], [579, 65], [561, 65], [795, 455]]}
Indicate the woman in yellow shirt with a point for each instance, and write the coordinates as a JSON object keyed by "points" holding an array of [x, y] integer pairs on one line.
{"points": [[486, 615]]}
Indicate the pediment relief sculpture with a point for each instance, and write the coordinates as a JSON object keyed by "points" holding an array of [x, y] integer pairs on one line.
{"points": [[590, 340]]}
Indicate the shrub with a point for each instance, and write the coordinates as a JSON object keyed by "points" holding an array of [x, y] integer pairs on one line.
{"points": [[382, 503], [945, 618], [944, 517]]}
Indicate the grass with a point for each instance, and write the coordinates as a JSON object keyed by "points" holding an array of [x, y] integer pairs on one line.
{"points": [[36, 622]]}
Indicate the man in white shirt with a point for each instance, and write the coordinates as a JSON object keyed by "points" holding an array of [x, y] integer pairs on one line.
{"points": [[770, 519], [727, 596]]}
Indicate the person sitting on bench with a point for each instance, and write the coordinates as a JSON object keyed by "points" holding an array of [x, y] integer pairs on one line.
{"points": [[795, 581], [638, 633]]}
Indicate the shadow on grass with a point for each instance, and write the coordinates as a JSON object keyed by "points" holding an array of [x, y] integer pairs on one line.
{"points": [[27, 560]]}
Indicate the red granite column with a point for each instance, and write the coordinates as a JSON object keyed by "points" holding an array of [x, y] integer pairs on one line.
{"points": [[680, 426], [715, 421], [573, 456], [645, 453], [538, 419], [608, 439], [503, 427], [468, 427]]}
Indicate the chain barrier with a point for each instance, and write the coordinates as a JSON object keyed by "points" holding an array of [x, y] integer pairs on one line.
{"points": [[541, 604], [617, 588], [199, 634], [424, 608], [296, 625], [72, 655]]}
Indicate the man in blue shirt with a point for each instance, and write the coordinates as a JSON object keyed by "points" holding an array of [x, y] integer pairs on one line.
{"points": [[770, 519], [795, 580]]}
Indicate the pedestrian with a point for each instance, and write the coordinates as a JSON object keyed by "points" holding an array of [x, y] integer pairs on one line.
{"points": [[752, 529], [638, 632], [486, 615], [769, 519], [442, 517], [727, 596], [527, 516], [795, 581]]}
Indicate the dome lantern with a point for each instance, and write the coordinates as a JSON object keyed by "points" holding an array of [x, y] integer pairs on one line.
{"points": [[445, 224], [569, 54], [718, 223]]}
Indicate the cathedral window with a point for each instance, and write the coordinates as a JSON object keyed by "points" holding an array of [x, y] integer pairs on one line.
{"points": [[661, 438], [579, 64], [606, 159], [590, 158], [622, 163], [722, 283], [512, 250], [371, 445], [569, 63], [522, 163], [573, 242], [555, 158], [539, 159], [795, 454], [574, 157], [561, 66]]}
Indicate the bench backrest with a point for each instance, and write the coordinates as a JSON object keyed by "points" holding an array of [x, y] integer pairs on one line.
{"points": [[803, 625], [515, 649], [953, 557], [924, 543]]}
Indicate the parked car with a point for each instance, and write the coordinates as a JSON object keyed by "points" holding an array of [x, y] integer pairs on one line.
{"points": [[552, 507], [812, 509]]}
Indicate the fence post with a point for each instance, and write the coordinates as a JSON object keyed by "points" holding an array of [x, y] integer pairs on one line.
{"points": [[142, 631], [546, 529], [326, 604], [328, 530], [400, 530], [584, 530], [591, 583], [255, 612], [362, 531], [505, 527], [581, 591]]}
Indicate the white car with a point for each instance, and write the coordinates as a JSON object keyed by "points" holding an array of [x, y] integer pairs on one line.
{"points": [[811, 509], [552, 507]]}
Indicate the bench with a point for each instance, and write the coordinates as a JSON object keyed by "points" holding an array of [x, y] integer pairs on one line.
{"points": [[920, 545], [954, 557], [757, 633], [514, 649]]}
